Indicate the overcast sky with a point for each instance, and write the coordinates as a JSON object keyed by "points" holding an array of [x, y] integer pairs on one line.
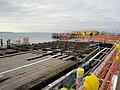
{"points": [[59, 15]]}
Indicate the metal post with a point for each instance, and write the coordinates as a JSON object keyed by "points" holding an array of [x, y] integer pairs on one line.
{"points": [[8, 43], [1, 41]]}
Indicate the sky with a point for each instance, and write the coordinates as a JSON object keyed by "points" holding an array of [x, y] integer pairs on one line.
{"points": [[59, 15]]}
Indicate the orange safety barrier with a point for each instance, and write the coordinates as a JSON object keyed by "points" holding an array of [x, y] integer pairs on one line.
{"points": [[79, 38], [106, 70], [64, 37], [99, 38], [106, 38], [107, 83]]}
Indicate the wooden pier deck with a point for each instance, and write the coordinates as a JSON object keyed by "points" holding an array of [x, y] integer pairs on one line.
{"points": [[18, 71], [24, 70]]}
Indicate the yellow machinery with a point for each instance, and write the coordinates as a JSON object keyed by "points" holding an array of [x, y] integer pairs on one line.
{"points": [[86, 31], [91, 82]]}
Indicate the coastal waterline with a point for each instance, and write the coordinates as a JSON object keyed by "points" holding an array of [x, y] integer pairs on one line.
{"points": [[33, 37]]}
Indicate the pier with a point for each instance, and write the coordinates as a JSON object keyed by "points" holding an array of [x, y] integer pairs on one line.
{"points": [[30, 69]]}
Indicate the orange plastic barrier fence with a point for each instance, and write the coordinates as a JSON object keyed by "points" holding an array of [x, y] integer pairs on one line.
{"points": [[64, 37], [99, 38], [106, 70], [79, 38], [106, 38]]}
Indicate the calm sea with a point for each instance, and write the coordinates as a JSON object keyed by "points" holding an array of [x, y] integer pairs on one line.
{"points": [[33, 37]]}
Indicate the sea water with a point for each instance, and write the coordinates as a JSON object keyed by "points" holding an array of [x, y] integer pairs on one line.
{"points": [[33, 37]]}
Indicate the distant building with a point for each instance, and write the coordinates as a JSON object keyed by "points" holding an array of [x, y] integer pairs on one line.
{"points": [[87, 32]]}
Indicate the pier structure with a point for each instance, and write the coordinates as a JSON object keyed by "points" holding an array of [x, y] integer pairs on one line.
{"points": [[42, 64], [100, 72], [53, 65]]}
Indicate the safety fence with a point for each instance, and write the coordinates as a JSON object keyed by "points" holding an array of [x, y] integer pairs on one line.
{"points": [[98, 38], [107, 69], [64, 37]]}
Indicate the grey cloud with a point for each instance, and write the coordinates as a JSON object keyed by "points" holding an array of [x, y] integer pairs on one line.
{"points": [[25, 15]]}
